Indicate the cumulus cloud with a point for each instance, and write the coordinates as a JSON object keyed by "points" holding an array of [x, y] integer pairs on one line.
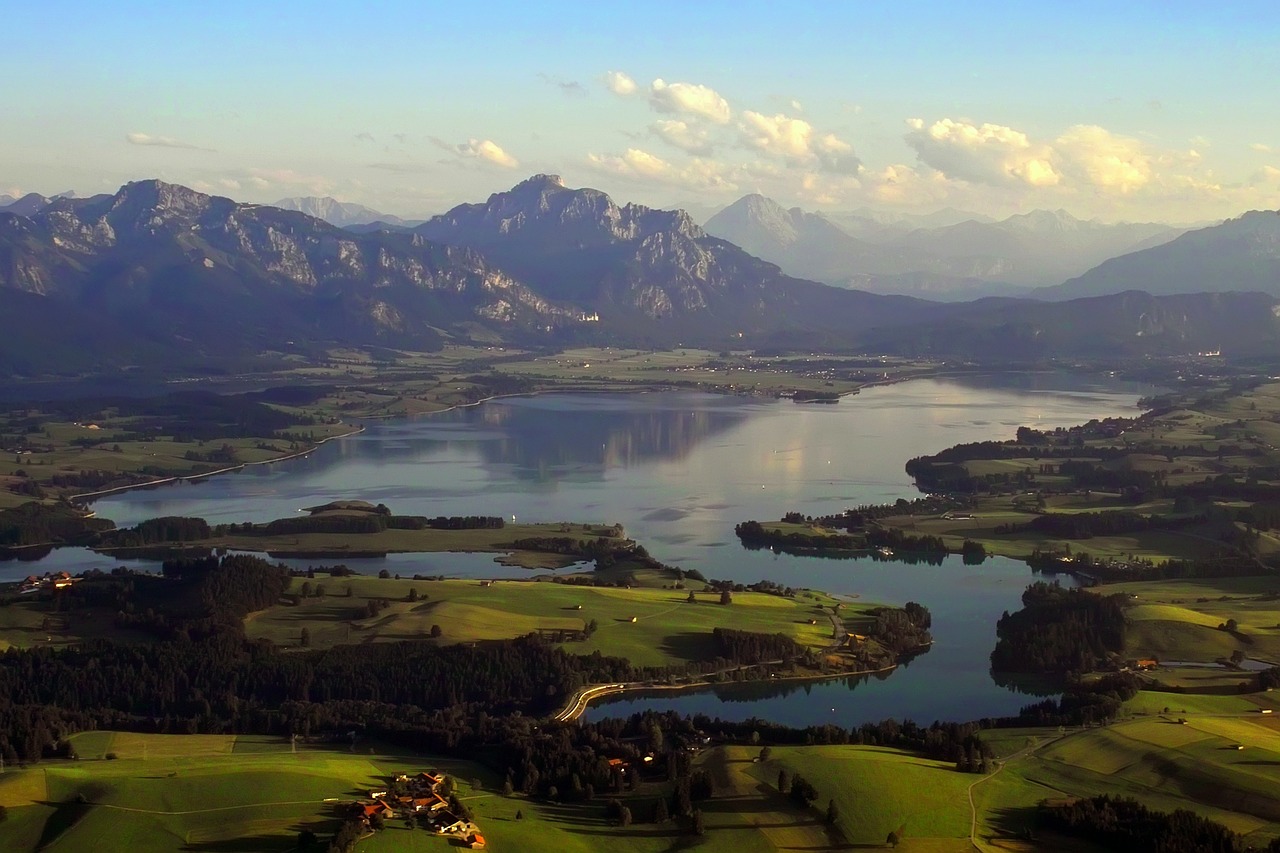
{"points": [[619, 83], [689, 98], [682, 135], [488, 151], [638, 164], [985, 154], [796, 140], [485, 150], [1261, 147], [1105, 160], [161, 141]]}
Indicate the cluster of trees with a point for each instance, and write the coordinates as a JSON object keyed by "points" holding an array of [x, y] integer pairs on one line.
{"points": [[467, 522], [752, 647], [155, 531], [36, 524], [604, 551], [1086, 525], [1059, 631], [1083, 703], [902, 630], [1119, 823], [755, 536]]}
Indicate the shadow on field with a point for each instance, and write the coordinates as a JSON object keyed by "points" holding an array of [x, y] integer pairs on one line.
{"points": [[1013, 821], [263, 843], [689, 645]]}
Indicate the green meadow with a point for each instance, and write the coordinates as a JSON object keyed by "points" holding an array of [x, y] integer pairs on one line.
{"points": [[667, 628]]}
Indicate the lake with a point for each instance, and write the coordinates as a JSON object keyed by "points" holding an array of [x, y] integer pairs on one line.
{"points": [[679, 470]]}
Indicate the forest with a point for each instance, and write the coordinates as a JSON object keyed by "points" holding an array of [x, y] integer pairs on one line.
{"points": [[1059, 631]]}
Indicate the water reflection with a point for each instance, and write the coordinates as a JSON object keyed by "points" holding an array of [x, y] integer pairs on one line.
{"points": [[680, 470]]}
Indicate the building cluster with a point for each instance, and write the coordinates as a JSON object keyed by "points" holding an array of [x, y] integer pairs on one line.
{"points": [[50, 580], [419, 797]]}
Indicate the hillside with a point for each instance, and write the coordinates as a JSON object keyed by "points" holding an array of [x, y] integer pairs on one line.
{"points": [[1241, 254]]}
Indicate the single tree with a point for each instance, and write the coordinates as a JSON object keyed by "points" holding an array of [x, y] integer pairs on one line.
{"points": [[305, 638], [436, 631], [833, 813], [726, 597]]}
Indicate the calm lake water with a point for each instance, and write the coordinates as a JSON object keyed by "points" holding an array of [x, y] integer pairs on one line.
{"points": [[679, 470]]}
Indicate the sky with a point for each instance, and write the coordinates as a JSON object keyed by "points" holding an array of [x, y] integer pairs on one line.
{"points": [[1137, 111]]}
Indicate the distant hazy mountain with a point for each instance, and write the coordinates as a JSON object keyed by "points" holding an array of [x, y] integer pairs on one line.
{"points": [[24, 206], [964, 260], [804, 244], [340, 213], [910, 221], [1036, 248], [1241, 254]]}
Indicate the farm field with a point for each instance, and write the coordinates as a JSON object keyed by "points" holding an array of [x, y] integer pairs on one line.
{"points": [[667, 628], [199, 792], [877, 790], [1178, 620], [1222, 763]]}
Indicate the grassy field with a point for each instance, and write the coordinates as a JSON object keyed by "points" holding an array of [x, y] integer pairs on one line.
{"points": [[877, 790], [241, 794], [1226, 768], [1178, 620], [200, 792], [667, 628]]}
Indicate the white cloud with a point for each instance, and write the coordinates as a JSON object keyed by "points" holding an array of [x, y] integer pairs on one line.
{"points": [[796, 140], [161, 141], [634, 162], [488, 151], [315, 184], [638, 164], [1261, 148], [986, 154], [682, 135], [619, 83], [229, 183], [485, 150], [1107, 161], [689, 98]]}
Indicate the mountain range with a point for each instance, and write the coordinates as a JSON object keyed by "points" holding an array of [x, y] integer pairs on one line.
{"points": [[1239, 254], [343, 214], [954, 261], [158, 274]]}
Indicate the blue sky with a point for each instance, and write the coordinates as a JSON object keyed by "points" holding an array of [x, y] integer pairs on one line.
{"points": [[1122, 111]]}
